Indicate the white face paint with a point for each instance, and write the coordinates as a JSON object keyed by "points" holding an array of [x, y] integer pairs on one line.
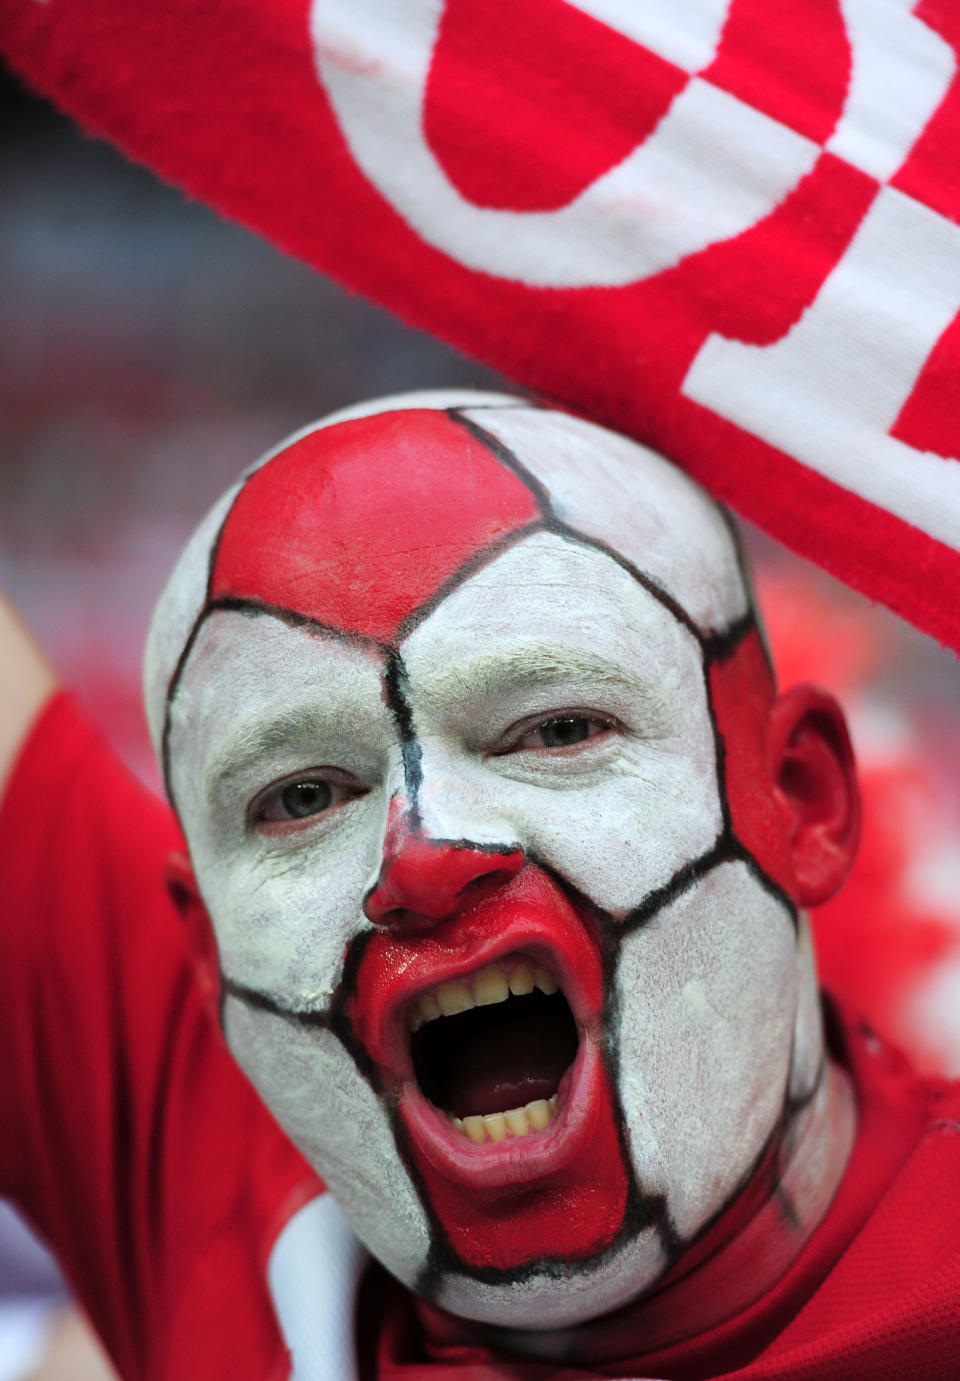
{"points": [[550, 711], [554, 628]]}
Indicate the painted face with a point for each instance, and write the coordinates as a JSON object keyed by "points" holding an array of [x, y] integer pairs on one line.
{"points": [[462, 707]]}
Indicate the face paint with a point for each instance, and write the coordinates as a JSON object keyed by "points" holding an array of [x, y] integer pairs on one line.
{"points": [[465, 731]]}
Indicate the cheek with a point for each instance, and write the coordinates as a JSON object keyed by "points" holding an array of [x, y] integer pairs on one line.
{"points": [[283, 921], [655, 810], [708, 997], [315, 1091], [631, 834]]}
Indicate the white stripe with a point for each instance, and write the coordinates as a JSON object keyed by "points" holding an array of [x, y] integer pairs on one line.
{"points": [[25, 1330], [711, 169], [314, 1276], [828, 390], [901, 70]]}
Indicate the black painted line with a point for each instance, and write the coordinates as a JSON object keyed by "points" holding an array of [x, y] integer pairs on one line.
{"points": [[643, 1211], [554, 523], [719, 752], [498, 850], [557, 528], [395, 684], [171, 693], [746, 579], [725, 849], [652, 586], [507, 458], [260, 1001], [340, 1024], [181, 662], [252, 608], [214, 553], [497, 407], [483, 557], [718, 647], [768, 885]]}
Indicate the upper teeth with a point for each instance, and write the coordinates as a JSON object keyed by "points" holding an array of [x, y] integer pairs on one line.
{"points": [[489, 985]]}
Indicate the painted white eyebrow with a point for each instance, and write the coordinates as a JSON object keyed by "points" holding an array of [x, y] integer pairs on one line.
{"points": [[537, 664], [253, 740]]}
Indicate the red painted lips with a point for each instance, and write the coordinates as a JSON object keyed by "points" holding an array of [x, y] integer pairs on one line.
{"points": [[551, 1184]]}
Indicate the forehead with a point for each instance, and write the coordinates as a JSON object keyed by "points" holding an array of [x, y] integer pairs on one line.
{"points": [[545, 611], [367, 525], [359, 525]]}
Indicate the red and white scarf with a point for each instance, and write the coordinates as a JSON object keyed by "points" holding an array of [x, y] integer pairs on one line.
{"points": [[726, 227]]}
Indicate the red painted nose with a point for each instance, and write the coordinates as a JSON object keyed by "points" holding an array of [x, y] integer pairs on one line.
{"points": [[424, 881]]}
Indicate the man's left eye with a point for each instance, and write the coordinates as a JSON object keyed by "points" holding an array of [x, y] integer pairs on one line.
{"points": [[560, 731]]}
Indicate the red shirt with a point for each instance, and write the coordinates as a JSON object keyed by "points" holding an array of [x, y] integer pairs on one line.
{"points": [[139, 1150]]}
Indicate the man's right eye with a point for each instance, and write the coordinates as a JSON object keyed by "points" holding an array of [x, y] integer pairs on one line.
{"points": [[301, 799]]}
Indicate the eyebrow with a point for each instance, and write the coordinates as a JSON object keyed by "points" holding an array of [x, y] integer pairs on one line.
{"points": [[255, 739], [536, 664]]}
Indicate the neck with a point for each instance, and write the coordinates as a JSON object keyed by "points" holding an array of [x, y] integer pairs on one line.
{"points": [[741, 1256]]}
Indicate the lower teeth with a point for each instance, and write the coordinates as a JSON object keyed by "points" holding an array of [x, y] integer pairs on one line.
{"points": [[498, 1126]]}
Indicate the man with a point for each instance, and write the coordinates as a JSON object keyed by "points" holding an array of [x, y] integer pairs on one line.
{"points": [[500, 838]]}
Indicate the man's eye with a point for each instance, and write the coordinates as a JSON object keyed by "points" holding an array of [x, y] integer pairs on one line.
{"points": [[306, 798], [301, 798], [562, 731]]}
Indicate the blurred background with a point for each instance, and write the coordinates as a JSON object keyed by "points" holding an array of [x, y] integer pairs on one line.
{"points": [[149, 351]]}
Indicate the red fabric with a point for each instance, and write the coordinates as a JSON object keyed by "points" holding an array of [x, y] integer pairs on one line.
{"points": [[526, 112], [620, 93], [140, 1151], [131, 1140]]}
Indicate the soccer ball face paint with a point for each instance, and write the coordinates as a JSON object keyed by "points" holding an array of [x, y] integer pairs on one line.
{"points": [[466, 748]]}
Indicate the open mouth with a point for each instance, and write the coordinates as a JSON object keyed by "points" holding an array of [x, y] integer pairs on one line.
{"points": [[487, 1031], [493, 1050]]}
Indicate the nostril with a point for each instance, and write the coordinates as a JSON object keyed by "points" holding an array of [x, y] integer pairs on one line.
{"points": [[402, 918], [483, 886], [426, 881]]}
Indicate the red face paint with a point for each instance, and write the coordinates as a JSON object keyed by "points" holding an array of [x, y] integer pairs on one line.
{"points": [[559, 1192], [742, 691], [358, 524]]}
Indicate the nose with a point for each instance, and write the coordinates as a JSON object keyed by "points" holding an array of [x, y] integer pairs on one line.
{"points": [[423, 881]]}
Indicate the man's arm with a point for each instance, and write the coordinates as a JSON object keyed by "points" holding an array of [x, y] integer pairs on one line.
{"points": [[26, 681]]}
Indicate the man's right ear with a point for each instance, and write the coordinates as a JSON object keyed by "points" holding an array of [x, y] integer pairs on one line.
{"points": [[182, 886]]}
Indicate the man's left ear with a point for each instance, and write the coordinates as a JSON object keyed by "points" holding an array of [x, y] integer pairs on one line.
{"points": [[182, 886], [815, 782]]}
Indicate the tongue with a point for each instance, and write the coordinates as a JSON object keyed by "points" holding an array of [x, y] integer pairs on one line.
{"points": [[511, 1065]]}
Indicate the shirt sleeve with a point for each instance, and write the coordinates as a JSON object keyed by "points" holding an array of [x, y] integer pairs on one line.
{"points": [[131, 1140]]}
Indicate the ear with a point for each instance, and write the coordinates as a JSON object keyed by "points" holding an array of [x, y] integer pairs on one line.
{"points": [[815, 783], [182, 886]]}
